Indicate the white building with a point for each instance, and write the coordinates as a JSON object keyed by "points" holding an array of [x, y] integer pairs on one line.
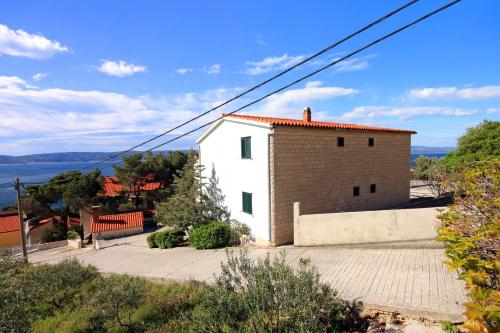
{"points": [[266, 164]]}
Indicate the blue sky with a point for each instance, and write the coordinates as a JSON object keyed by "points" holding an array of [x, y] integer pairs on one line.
{"points": [[105, 75]]}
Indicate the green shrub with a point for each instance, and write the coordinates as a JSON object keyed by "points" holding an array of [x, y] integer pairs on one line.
{"points": [[152, 240], [210, 236], [168, 239], [268, 295], [238, 230], [470, 231], [72, 234]]}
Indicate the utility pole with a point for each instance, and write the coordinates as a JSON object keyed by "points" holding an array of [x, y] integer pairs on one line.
{"points": [[21, 223]]}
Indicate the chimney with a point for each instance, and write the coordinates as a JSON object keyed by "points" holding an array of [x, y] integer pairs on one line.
{"points": [[307, 114], [96, 212]]}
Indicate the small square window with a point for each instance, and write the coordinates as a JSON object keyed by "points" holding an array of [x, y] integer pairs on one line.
{"points": [[340, 141], [355, 191], [373, 188], [247, 202], [246, 147], [371, 142]]}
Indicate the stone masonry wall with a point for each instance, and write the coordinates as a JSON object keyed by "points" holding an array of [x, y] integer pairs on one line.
{"points": [[306, 166]]}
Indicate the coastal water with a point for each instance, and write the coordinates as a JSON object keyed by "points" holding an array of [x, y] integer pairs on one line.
{"points": [[41, 172], [37, 173]]}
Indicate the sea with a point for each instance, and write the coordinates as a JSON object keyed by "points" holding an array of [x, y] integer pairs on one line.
{"points": [[34, 173]]}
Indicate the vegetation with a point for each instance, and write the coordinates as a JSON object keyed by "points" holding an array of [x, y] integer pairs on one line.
{"points": [[183, 209], [168, 239], [478, 143], [263, 296], [151, 239], [72, 234], [210, 236], [470, 231]]}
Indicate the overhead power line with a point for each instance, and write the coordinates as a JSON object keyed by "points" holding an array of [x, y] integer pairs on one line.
{"points": [[422, 18], [375, 42], [272, 78]]}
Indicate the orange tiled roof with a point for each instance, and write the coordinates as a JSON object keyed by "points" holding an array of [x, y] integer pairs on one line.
{"points": [[9, 222], [111, 186], [117, 222], [73, 221], [317, 124]]}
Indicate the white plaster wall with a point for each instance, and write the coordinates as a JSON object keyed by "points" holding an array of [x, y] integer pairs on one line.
{"points": [[221, 149]]}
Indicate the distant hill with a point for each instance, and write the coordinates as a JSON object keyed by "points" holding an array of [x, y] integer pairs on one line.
{"points": [[98, 156], [59, 157], [431, 150]]}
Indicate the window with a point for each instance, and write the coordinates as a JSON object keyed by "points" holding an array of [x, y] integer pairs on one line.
{"points": [[371, 142], [247, 202], [355, 191], [373, 188], [340, 141], [246, 147]]}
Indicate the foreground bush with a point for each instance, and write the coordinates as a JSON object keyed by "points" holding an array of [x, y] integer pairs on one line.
{"points": [[210, 236], [151, 239], [263, 296], [168, 239], [270, 296], [470, 231]]}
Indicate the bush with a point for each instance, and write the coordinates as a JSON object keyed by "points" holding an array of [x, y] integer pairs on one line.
{"points": [[152, 240], [72, 234], [168, 239], [471, 234], [269, 295], [210, 236], [238, 230]]}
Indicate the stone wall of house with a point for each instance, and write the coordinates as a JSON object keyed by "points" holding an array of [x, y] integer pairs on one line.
{"points": [[306, 166]]}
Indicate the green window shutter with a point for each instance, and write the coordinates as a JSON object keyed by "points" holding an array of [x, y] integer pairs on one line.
{"points": [[246, 147], [247, 202]]}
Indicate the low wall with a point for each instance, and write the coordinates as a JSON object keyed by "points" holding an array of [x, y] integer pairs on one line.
{"points": [[415, 227]]}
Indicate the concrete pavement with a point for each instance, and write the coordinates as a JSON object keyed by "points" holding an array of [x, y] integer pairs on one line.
{"points": [[410, 280]]}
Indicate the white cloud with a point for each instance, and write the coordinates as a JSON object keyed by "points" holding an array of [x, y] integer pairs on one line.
{"points": [[493, 110], [120, 68], [456, 93], [312, 84], [39, 76], [370, 112], [352, 64], [270, 64], [260, 40], [47, 120], [214, 69], [183, 71], [19, 43]]}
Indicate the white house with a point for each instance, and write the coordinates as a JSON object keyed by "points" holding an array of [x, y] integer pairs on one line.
{"points": [[265, 164]]}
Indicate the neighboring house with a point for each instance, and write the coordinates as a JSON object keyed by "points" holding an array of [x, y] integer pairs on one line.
{"points": [[113, 187], [266, 164], [116, 225], [9, 230]]}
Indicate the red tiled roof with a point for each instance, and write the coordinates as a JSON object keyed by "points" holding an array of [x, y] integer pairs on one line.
{"points": [[9, 222], [317, 124], [111, 186], [73, 221], [117, 222]]}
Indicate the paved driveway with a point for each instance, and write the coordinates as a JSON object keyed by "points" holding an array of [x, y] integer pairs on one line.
{"points": [[412, 280]]}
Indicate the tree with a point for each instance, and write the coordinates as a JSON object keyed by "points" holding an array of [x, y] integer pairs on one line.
{"points": [[214, 208], [184, 208], [134, 173], [470, 231], [478, 143], [422, 166], [83, 191]]}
